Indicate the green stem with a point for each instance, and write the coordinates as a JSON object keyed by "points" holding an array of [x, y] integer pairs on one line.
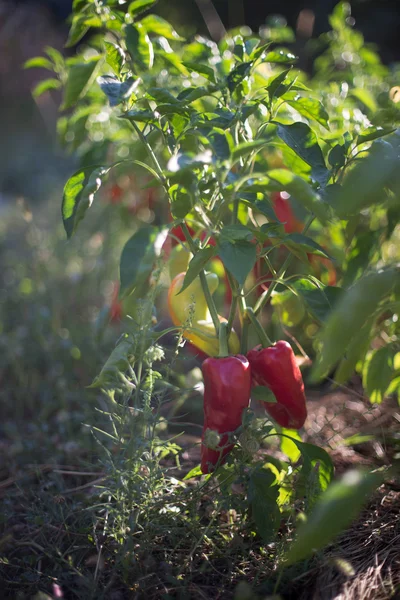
{"points": [[264, 339], [223, 340], [263, 299], [245, 323], [203, 280]]}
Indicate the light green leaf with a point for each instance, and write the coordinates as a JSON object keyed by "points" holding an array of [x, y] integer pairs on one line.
{"points": [[139, 6], [77, 29], [355, 352], [115, 57], [246, 148], [308, 107], [39, 62], [351, 313], [45, 86], [158, 26], [280, 56], [378, 371], [78, 195], [373, 133], [181, 201], [335, 511], [139, 45], [80, 78]]}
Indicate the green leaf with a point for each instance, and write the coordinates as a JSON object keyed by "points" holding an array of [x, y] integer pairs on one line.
{"points": [[78, 195], [138, 257], [285, 180], [45, 86], [355, 352], [219, 141], [118, 361], [115, 90], [139, 45], [263, 394], [204, 70], [377, 373], [275, 86], [246, 148], [280, 56], [115, 57], [306, 244], [308, 107], [77, 29], [139, 6], [237, 75], [302, 140], [39, 62], [181, 201], [142, 116], [337, 156], [196, 265], [364, 185], [235, 233], [317, 468], [80, 78], [355, 307], [263, 499], [319, 301], [158, 26], [161, 96], [373, 133], [195, 472], [238, 257], [365, 97], [335, 511]]}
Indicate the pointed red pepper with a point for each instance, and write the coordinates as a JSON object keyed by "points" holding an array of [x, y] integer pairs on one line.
{"points": [[276, 368], [227, 386]]}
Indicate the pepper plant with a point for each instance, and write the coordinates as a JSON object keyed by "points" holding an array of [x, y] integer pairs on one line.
{"points": [[277, 181]]}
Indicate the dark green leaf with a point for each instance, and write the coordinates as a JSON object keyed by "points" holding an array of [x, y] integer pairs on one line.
{"points": [[335, 511], [236, 233], [275, 84], [142, 116], [197, 264], [237, 75], [351, 313], [377, 373], [80, 78], [204, 70], [319, 301], [263, 394], [139, 45], [78, 196], [191, 94], [337, 156], [139, 6], [307, 244], [115, 90], [317, 468], [247, 148], [263, 499], [220, 144], [161, 96], [115, 57], [181, 201], [239, 258], [139, 255], [300, 138], [158, 26]]}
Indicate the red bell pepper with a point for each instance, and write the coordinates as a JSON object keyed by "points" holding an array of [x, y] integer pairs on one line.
{"points": [[227, 386], [276, 368]]}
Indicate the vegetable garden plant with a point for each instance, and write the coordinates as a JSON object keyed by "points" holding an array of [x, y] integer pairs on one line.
{"points": [[272, 239]]}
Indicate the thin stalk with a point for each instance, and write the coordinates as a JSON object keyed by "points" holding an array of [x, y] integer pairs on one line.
{"points": [[203, 280], [223, 340], [264, 298], [264, 339]]}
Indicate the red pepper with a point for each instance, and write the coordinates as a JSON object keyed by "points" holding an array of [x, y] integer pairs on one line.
{"points": [[227, 386], [285, 213], [116, 309], [276, 368]]}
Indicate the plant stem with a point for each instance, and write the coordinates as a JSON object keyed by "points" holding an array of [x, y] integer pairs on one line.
{"points": [[264, 339], [263, 299], [203, 280], [223, 340]]}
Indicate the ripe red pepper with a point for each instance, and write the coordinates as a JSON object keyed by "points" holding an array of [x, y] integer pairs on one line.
{"points": [[116, 309], [276, 368], [227, 385], [285, 213]]}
